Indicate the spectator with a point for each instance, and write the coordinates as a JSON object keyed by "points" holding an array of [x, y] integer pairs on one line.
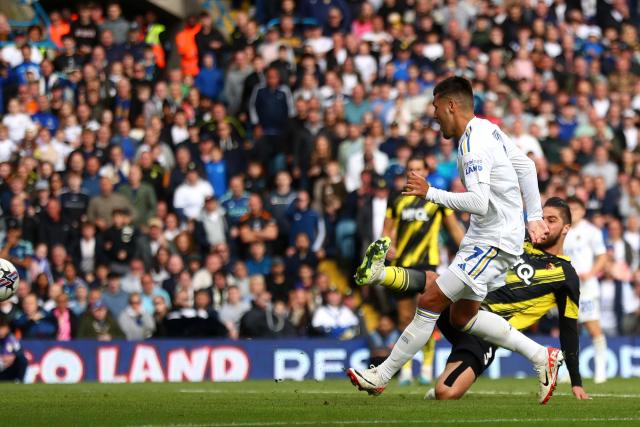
{"points": [[115, 23], [66, 318], [150, 291], [15, 249], [213, 221], [238, 71], [271, 106], [97, 323], [304, 220], [301, 311], [200, 321], [261, 321], [232, 311], [13, 361], [210, 79], [602, 166], [18, 214], [190, 196], [114, 298], [53, 229], [382, 339], [35, 322], [74, 202], [16, 121], [140, 195], [278, 284], [87, 250], [257, 225], [259, 262], [161, 310], [134, 321], [333, 319], [71, 281], [279, 201], [119, 242], [102, 206], [84, 31], [132, 281]]}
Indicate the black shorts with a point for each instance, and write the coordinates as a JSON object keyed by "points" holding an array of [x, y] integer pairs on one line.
{"points": [[474, 354], [466, 348]]}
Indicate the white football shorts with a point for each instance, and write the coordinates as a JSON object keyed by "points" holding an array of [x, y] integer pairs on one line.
{"points": [[475, 271], [589, 308]]}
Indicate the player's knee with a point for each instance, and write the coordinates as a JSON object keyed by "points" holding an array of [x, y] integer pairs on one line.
{"points": [[433, 300], [446, 393], [430, 279], [460, 321]]}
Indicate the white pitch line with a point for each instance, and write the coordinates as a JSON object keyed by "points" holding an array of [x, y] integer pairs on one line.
{"points": [[477, 393], [387, 422]]}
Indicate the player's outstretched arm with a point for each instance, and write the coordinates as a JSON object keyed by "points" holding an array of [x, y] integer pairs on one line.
{"points": [[474, 201], [567, 298]]}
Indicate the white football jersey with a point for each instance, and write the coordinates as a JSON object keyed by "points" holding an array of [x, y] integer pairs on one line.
{"points": [[487, 155], [584, 242]]}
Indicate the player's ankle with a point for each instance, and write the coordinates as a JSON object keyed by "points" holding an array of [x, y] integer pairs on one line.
{"points": [[540, 356]]}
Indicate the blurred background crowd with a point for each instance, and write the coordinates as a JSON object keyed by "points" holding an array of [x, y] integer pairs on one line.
{"points": [[223, 181]]}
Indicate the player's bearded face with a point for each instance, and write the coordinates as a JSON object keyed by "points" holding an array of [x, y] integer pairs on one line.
{"points": [[551, 239], [552, 218]]}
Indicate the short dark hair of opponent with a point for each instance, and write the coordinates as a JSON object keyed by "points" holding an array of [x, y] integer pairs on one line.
{"points": [[562, 206]]}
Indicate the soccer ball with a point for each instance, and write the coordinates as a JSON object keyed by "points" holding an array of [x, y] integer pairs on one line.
{"points": [[9, 279]]}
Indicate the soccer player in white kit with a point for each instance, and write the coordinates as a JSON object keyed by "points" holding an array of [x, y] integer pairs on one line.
{"points": [[585, 245], [497, 176]]}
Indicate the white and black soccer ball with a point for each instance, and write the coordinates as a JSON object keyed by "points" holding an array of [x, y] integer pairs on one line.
{"points": [[9, 279]]}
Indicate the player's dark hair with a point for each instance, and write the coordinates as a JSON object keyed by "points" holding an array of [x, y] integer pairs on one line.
{"points": [[576, 200], [562, 206], [457, 87]]}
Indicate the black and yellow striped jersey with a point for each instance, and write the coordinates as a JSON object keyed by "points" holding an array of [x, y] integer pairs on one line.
{"points": [[418, 224], [533, 286]]}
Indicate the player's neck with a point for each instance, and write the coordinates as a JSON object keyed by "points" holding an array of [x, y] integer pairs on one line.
{"points": [[557, 248], [462, 122], [554, 250]]}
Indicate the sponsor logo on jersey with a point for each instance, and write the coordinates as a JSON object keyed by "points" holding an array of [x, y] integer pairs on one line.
{"points": [[524, 271], [472, 166], [414, 214]]}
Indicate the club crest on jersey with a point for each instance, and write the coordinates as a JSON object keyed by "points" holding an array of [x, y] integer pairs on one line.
{"points": [[524, 271], [472, 166], [414, 214]]}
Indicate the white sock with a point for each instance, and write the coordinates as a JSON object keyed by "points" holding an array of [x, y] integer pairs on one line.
{"points": [[600, 357], [414, 337], [493, 328]]}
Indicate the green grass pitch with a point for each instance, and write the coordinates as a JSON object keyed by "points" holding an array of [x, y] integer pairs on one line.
{"points": [[505, 402]]}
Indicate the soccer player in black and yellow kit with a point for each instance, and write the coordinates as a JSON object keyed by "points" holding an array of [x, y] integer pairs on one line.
{"points": [[414, 226]]}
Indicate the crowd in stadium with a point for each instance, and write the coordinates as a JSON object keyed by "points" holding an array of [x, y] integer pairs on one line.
{"points": [[189, 183]]}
